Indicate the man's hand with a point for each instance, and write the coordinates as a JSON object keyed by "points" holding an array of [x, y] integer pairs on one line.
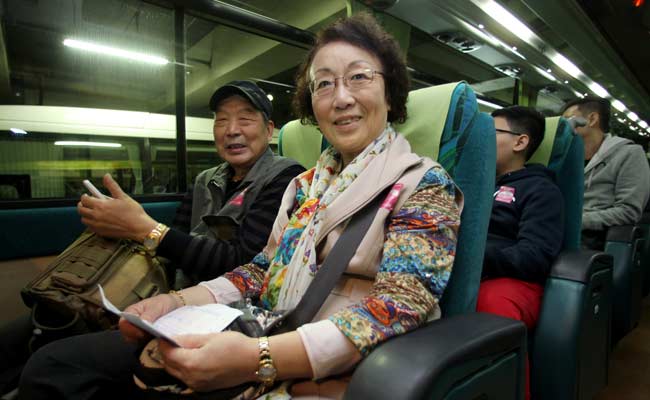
{"points": [[118, 217]]}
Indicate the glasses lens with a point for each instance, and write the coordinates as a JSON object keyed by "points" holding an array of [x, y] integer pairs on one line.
{"points": [[359, 78], [322, 85]]}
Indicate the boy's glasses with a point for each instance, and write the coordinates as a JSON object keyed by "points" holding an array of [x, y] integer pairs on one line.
{"points": [[507, 131]]}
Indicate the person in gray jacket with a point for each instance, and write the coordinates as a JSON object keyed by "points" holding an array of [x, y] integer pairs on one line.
{"points": [[617, 176]]}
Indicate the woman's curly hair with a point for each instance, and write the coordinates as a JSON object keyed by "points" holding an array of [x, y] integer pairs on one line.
{"points": [[363, 31]]}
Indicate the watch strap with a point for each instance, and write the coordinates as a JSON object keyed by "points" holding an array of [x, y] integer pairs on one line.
{"points": [[152, 240], [266, 371]]}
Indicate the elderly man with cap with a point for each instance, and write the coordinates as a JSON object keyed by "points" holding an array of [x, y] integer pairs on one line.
{"points": [[224, 222], [227, 218]]}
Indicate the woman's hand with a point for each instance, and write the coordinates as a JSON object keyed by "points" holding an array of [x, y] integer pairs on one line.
{"points": [[118, 217], [210, 362], [148, 309]]}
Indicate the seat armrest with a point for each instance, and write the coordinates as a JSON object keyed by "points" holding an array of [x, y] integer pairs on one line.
{"points": [[623, 233], [580, 265], [410, 364], [645, 218]]}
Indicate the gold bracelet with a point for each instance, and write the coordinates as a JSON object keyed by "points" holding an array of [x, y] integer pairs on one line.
{"points": [[180, 296], [266, 371]]}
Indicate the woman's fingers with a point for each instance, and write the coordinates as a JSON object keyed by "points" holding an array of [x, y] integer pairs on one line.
{"points": [[192, 341], [131, 332]]}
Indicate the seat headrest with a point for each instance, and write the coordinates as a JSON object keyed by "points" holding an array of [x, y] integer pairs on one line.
{"points": [[427, 114], [557, 140], [303, 143]]}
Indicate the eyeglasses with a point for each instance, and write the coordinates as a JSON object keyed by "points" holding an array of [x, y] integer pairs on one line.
{"points": [[324, 85], [507, 131]]}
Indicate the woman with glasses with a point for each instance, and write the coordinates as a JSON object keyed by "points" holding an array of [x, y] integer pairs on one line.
{"points": [[353, 85]]}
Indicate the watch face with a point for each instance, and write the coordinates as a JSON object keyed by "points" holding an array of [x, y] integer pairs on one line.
{"points": [[149, 243], [267, 372]]}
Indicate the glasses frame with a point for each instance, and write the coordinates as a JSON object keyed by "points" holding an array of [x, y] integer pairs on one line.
{"points": [[345, 81], [507, 131]]}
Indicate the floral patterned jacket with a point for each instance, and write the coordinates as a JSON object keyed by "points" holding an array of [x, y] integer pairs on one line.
{"points": [[409, 266]]}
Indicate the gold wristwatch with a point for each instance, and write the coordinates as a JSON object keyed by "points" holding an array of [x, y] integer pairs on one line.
{"points": [[266, 372], [152, 240]]}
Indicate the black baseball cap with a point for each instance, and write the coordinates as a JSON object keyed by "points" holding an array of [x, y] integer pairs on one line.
{"points": [[249, 90]]}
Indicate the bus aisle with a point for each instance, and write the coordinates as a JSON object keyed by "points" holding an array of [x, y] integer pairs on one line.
{"points": [[629, 365]]}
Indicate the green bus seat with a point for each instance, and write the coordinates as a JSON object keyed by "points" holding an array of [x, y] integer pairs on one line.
{"points": [[33, 232], [645, 250], [570, 346], [624, 243]]}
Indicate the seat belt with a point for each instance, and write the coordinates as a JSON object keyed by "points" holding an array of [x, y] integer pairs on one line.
{"points": [[334, 265]]}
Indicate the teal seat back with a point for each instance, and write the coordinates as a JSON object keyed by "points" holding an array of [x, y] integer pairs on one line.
{"points": [[444, 124], [570, 363], [34, 232], [645, 252], [562, 151]]}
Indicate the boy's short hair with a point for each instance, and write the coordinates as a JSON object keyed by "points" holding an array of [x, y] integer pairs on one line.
{"points": [[588, 105], [525, 120]]}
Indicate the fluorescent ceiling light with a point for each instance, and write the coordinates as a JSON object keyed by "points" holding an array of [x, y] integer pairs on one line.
{"points": [[18, 131], [619, 106], [488, 104], [518, 54], [86, 144], [599, 90], [621, 120], [545, 74], [505, 18], [114, 51], [566, 65], [632, 127], [643, 124], [632, 116], [483, 35], [491, 39], [578, 94], [512, 49]]}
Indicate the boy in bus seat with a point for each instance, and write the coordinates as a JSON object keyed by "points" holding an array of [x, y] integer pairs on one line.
{"points": [[222, 223], [617, 177], [526, 225]]}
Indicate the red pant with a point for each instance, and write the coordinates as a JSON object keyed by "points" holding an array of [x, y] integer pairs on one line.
{"points": [[512, 298]]}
